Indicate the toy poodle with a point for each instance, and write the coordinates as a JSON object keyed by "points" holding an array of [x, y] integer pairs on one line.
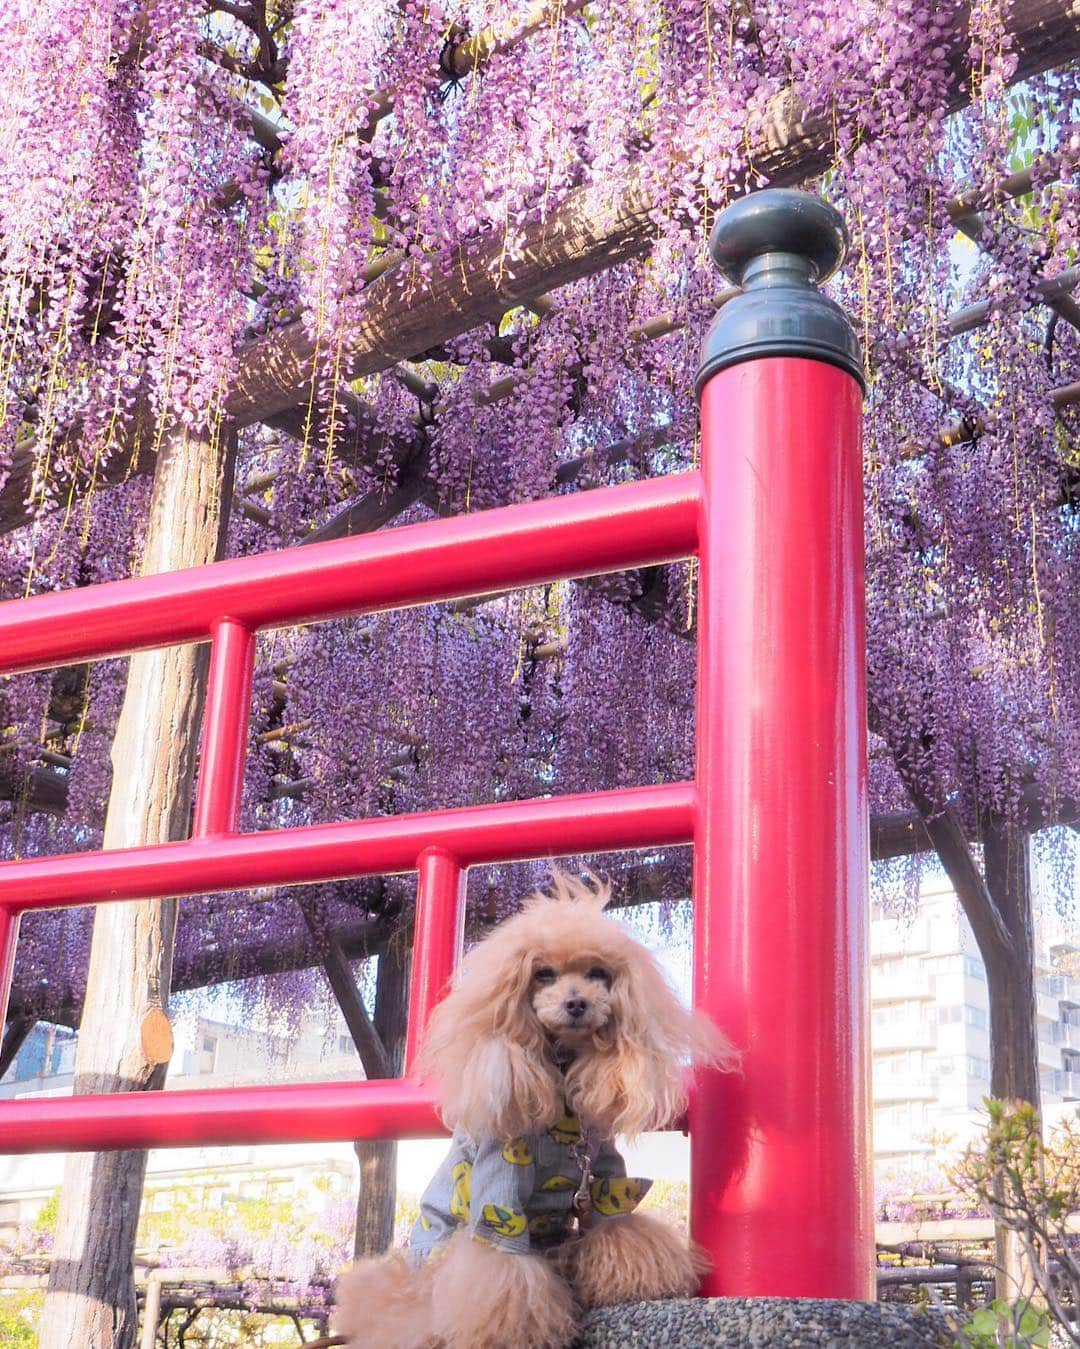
{"points": [[560, 1033]]}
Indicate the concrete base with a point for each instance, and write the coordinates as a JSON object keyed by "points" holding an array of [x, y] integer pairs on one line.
{"points": [[730, 1323]]}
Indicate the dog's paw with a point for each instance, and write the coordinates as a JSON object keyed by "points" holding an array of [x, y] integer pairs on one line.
{"points": [[385, 1304], [632, 1258], [484, 1298]]}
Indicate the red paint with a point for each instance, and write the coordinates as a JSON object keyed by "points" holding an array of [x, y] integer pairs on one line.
{"points": [[311, 1112], [508, 832], [780, 1156], [608, 529], [591, 532], [225, 727], [440, 922]]}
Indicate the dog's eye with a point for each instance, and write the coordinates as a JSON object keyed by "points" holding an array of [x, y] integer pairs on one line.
{"points": [[545, 975], [598, 972]]}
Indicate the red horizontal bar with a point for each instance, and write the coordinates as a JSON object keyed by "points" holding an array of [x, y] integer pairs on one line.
{"points": [[310, 1112], [636, 817], [316, 1112], [608, 529]]}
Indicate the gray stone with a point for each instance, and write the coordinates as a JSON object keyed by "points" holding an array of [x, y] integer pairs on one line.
{"points": [[757, 1323]]}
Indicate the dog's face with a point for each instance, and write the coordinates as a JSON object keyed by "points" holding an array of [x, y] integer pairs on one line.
{"points": [[571, 997], [561, 975]]}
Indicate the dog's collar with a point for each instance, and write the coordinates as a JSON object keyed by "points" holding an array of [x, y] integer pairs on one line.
{"points": [[563, 1057]]}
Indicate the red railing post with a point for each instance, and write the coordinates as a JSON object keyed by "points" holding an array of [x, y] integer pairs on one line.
{"points": [[225, 725], [780, 1171], [440, 919]]}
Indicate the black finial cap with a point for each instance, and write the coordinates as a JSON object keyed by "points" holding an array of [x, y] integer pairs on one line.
{"points": [[779, 245]]}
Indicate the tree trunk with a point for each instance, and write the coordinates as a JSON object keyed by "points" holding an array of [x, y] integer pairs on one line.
{"points": [[1010, 969], [997, 904], [377, 1200], [1014, 1045], [15, 1034], [90, 1303]]}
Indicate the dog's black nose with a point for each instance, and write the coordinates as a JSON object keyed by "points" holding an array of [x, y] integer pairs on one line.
{"points": [[576, 1006]]}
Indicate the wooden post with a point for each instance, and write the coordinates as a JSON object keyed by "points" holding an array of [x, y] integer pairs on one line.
{"points": [[91, 1295], [151, 1312]]}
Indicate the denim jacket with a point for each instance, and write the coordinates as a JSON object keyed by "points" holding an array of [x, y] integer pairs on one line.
{"points": [[519, 1195]]}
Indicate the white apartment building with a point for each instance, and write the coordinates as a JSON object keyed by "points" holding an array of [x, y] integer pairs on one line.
{"points": [[931, 1038]]}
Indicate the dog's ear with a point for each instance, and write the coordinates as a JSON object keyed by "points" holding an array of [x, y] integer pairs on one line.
{"points": [[486, 1049], [635, 1080]]}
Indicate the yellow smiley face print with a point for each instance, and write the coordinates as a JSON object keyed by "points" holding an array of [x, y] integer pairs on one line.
{"points": [[619, 1194], [558, 1183], [507, 1222], [517, 1153], [566, 1130], [461, 1194]]}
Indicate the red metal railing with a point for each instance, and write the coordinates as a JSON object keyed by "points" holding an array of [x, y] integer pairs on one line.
{"points": [[777, 815], [228, 603]]}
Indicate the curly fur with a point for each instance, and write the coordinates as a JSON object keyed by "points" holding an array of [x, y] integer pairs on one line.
{"points": [[486, 1299], [386, 1302], [493, 1060], [469, 1297], [637, 1257], [494, 1047]]}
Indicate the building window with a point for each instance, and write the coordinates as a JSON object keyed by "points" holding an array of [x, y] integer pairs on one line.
{"points": [[208, 1057], [948, 1016], [909, 1064], [979, 1069], [898, 1013], [975, 1016], [975, 968]]}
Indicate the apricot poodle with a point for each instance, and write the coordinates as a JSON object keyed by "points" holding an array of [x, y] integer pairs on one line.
{"points": [[560, 1033]]}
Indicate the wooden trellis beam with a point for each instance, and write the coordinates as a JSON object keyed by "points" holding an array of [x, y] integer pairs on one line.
{"points": [[970, 219], [586, 234], [204, 969], [1056, 291]]}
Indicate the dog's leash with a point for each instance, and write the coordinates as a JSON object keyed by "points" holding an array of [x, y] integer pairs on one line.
{"points": [[583, 1205]]}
